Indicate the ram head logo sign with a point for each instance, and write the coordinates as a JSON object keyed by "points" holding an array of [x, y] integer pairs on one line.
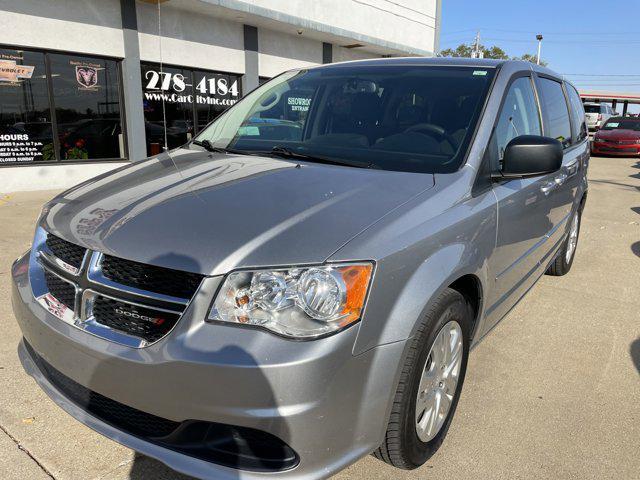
{"points": [[87, 77]]}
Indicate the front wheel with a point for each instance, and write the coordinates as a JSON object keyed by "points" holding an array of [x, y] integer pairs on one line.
{"points": [[430, 384], [562, 264]]}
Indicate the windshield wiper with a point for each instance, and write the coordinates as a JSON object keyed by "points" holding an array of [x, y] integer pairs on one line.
{"points": [[209, 147], [282, 151]]}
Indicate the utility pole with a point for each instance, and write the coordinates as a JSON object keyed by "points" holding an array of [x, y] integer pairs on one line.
{"points": [[539, 38], [476, 46]]}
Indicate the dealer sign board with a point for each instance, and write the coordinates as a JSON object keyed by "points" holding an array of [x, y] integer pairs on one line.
{"points": [[214, 89]]}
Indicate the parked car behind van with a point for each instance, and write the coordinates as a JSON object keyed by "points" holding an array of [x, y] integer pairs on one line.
{"points": [[301, 284], [597, 114], [618, 136]]}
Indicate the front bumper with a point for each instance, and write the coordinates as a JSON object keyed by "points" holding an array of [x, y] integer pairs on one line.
{"points": [[329, 406], [607, 148]]}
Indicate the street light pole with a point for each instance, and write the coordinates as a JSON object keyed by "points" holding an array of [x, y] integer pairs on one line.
{"points": [[539, 38]]}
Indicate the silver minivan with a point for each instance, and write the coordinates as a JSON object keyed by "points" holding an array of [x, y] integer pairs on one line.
{"points": [[301, 284]]}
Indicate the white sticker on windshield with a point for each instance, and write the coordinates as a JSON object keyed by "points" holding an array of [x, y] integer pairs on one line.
{"points": [[249, 131], [479, 72], [612, 124]]}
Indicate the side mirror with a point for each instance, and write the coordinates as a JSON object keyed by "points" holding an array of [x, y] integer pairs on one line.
{"points": [[529, 156]]}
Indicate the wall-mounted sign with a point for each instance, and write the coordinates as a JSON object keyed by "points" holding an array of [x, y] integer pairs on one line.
{"points": [[174, 88]]}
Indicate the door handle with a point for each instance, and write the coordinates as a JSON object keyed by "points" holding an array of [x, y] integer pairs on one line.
{"points": [[547, 187], [560, 179], [553, 184]]}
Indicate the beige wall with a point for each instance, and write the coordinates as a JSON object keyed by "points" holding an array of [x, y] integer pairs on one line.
{"points": [[280, 52], [83, 26], [190, 39], [42, 177], [406, 22]]}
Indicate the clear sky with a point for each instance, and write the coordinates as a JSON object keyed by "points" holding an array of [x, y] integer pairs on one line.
{"points": [[597, 39]]}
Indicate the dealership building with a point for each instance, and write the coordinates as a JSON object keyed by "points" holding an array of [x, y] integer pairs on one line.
{"points": [[89, 85]]}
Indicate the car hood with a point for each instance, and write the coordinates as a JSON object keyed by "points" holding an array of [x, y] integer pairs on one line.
{"points": [[618, 134], [212, 213]]}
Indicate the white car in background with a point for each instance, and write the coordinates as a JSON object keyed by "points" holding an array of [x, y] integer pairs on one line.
{"points": [[597, 114]]}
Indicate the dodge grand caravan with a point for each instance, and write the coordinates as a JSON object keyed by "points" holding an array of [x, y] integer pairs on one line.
{"points": [[300, 285]]}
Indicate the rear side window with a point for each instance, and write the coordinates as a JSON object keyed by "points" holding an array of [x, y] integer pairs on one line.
{"points": [[519, 116], [577, 115], [554, 111]]}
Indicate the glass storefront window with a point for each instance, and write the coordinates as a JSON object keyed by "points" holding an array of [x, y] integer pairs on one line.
{"points": [[214, 94], [82, 92], [26, 134], [192, 99], [174, 85], [86, 94]]}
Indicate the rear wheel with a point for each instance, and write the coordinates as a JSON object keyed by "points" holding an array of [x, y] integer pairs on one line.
{"points": [[562, 264], [430, 384]]}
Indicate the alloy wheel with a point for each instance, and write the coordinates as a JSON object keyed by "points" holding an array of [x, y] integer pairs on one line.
{"points": [[573, 239], [439, 381]]}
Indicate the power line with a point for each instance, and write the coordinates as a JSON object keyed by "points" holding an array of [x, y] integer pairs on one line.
{"points": [[594, 43], [564, 42], [602, 74], [459, 31], [590, 33]]}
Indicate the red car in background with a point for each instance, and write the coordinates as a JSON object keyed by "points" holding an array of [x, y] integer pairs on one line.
{"points": [[619, 136]]}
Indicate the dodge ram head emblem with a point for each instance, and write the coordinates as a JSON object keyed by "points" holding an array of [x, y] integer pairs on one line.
{"points": [[87, 77]]}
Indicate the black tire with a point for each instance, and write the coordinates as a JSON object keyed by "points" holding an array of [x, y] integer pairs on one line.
{"points": [[560, 266], [401, 447]]}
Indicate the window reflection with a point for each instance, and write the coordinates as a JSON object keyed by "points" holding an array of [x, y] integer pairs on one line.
{"points": [[192, 99], [25, 118], [87, 107]]}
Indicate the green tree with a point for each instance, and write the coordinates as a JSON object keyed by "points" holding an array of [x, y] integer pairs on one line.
{"points": [[495, 52], [464, 50], [530, 57], [461, 50]]}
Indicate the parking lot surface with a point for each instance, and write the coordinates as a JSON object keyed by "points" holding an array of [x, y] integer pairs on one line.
{"points": [[553, 392]]}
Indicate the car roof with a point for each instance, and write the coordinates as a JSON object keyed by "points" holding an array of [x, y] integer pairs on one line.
{"points": [[445, 61]]}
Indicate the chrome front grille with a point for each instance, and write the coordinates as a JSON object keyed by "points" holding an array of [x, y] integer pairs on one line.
{"points": [[62, 290], [126, 302], [150, 324], [165, 281], [67, 252]]}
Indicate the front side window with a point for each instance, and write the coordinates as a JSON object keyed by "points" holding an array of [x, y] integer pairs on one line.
{"points": [[519, 116], [577, 114], [555, 112], [406, 118]]}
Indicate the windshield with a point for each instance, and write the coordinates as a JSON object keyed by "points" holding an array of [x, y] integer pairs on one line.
{"points": [[406, 118], [592, 108], [620, 124]]}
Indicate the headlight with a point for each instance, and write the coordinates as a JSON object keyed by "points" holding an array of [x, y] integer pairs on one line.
{"points": [[305, 302]]}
